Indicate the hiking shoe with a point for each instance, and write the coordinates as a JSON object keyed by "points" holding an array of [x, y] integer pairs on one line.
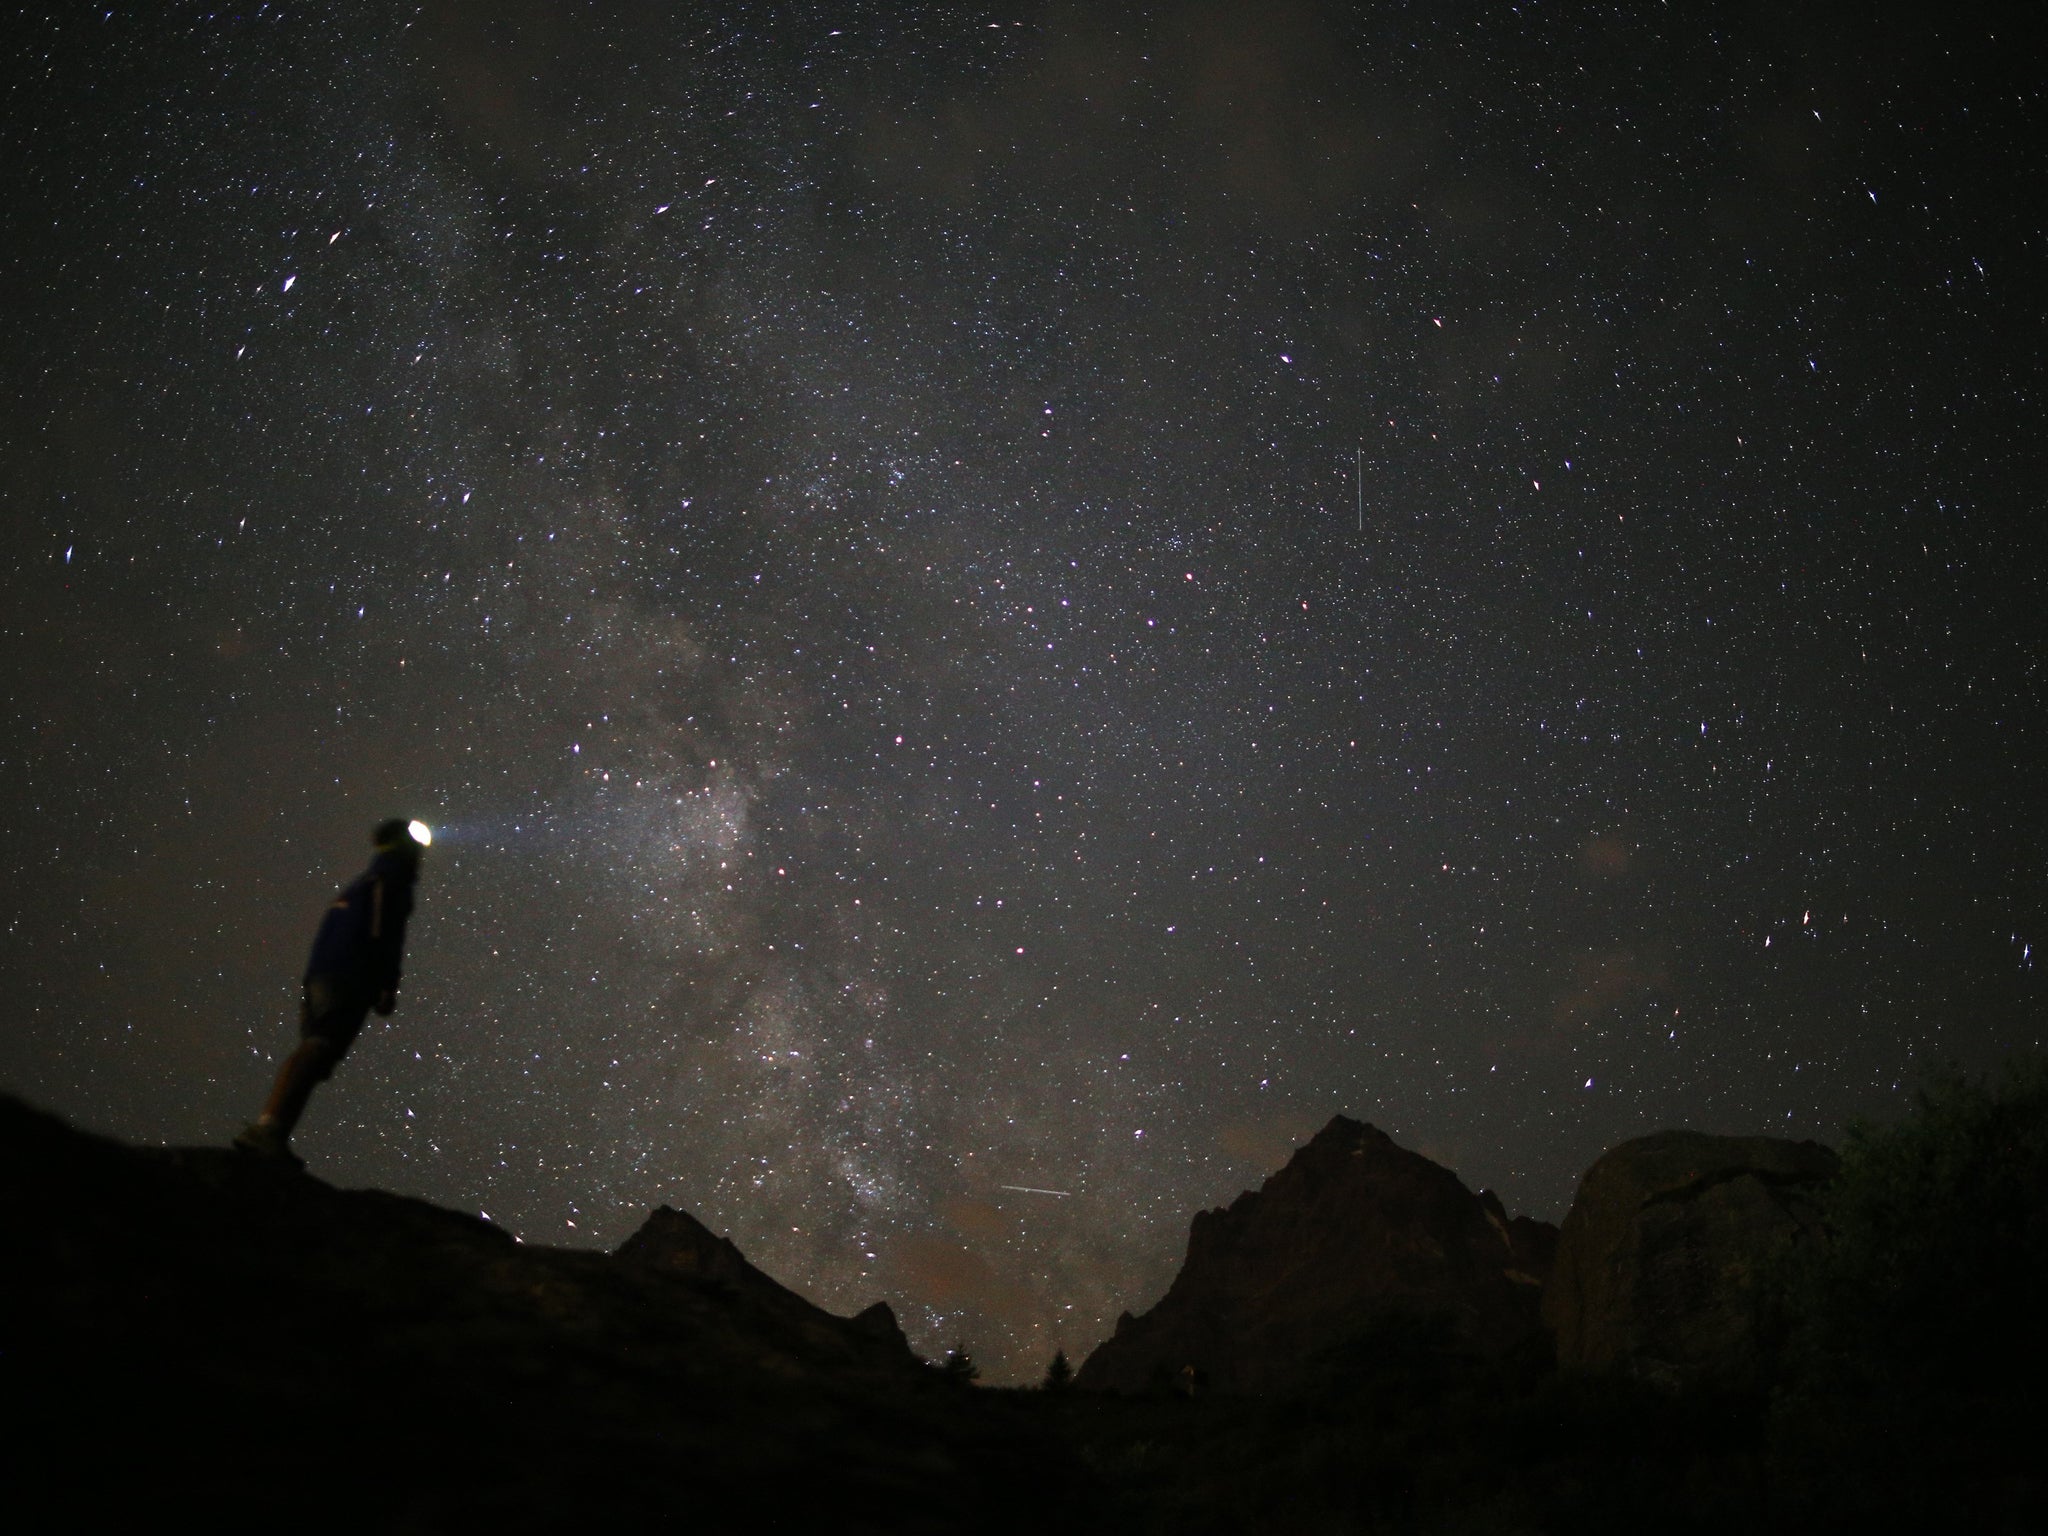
{"points": [[263, 1140]]}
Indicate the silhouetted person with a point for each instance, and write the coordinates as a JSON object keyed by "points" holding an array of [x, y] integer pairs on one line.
{"points": [[353, 969]]}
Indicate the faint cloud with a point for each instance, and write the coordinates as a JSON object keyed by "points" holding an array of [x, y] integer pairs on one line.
{"points": [[975, 1218], [1607, 980], [947, 1276], [1607, 853]]}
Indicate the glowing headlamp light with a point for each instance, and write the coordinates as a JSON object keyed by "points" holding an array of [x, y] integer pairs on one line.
{"points": [[420, 832]]}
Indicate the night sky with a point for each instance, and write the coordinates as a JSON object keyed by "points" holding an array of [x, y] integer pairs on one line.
{"points": [[848, 520]]}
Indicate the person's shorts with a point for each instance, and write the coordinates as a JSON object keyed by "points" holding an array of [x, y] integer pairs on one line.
{"points": [[332, 1012]]}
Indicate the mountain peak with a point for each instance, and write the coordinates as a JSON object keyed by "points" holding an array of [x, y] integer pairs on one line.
{"points": [[1354, 1228]]}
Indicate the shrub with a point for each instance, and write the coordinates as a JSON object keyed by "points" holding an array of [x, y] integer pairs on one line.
{"points": [[1913, 1336]]}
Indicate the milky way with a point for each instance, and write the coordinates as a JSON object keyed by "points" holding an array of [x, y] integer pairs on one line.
{"points": [[998, 614]]}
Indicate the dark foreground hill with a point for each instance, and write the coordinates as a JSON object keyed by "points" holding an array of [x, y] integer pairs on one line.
{"points": [[192, 1334]]}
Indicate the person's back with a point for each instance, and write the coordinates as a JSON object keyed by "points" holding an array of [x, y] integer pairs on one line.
{"points": [[353, 969]]}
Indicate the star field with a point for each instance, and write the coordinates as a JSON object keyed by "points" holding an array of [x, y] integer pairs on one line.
{"points": [[998, 614]]}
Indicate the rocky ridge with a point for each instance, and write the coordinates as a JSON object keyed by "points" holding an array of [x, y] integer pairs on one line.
{"points": [[192, 1331], [188, 1333]]}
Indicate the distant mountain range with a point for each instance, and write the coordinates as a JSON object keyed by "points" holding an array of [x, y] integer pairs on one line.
{"points": [[189, 1333]]}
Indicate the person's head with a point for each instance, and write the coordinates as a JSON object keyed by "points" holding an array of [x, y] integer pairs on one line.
{"points": [[400, 841]]}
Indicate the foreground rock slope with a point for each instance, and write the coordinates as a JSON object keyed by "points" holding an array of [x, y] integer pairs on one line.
{"points": [[1354, 1230], [1662, 1253], [190, 1331]]}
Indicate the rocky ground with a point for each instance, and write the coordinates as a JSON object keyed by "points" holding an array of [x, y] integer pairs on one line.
{"points": [[191, 1333]]}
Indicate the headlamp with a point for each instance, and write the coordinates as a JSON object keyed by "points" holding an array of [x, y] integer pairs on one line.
{"points": [[420, 832]]}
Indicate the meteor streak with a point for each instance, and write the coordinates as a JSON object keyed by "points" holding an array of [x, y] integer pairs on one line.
{"points": [[1026, 1189]]}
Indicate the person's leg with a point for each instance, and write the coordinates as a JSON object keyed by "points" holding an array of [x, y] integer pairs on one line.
{"points": [[327, 1025], [304, 1070]]}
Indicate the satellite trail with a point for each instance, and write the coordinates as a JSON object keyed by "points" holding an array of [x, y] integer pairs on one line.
{"points": [[1026, 1189]]}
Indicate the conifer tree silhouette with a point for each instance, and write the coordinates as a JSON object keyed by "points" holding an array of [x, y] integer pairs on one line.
{"points": [[1059, 1375], [959, 1366]]}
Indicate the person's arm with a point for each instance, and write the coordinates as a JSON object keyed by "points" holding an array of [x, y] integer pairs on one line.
{"points": [[389, 908]]}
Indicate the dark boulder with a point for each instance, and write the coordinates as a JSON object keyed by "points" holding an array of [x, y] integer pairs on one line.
{"points": [[1660, 1257], [1353, 1231]]}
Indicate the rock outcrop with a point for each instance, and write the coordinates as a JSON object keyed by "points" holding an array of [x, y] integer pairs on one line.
{"points": [[677, 1244], [1660, 1255], [1352, 1232]]}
